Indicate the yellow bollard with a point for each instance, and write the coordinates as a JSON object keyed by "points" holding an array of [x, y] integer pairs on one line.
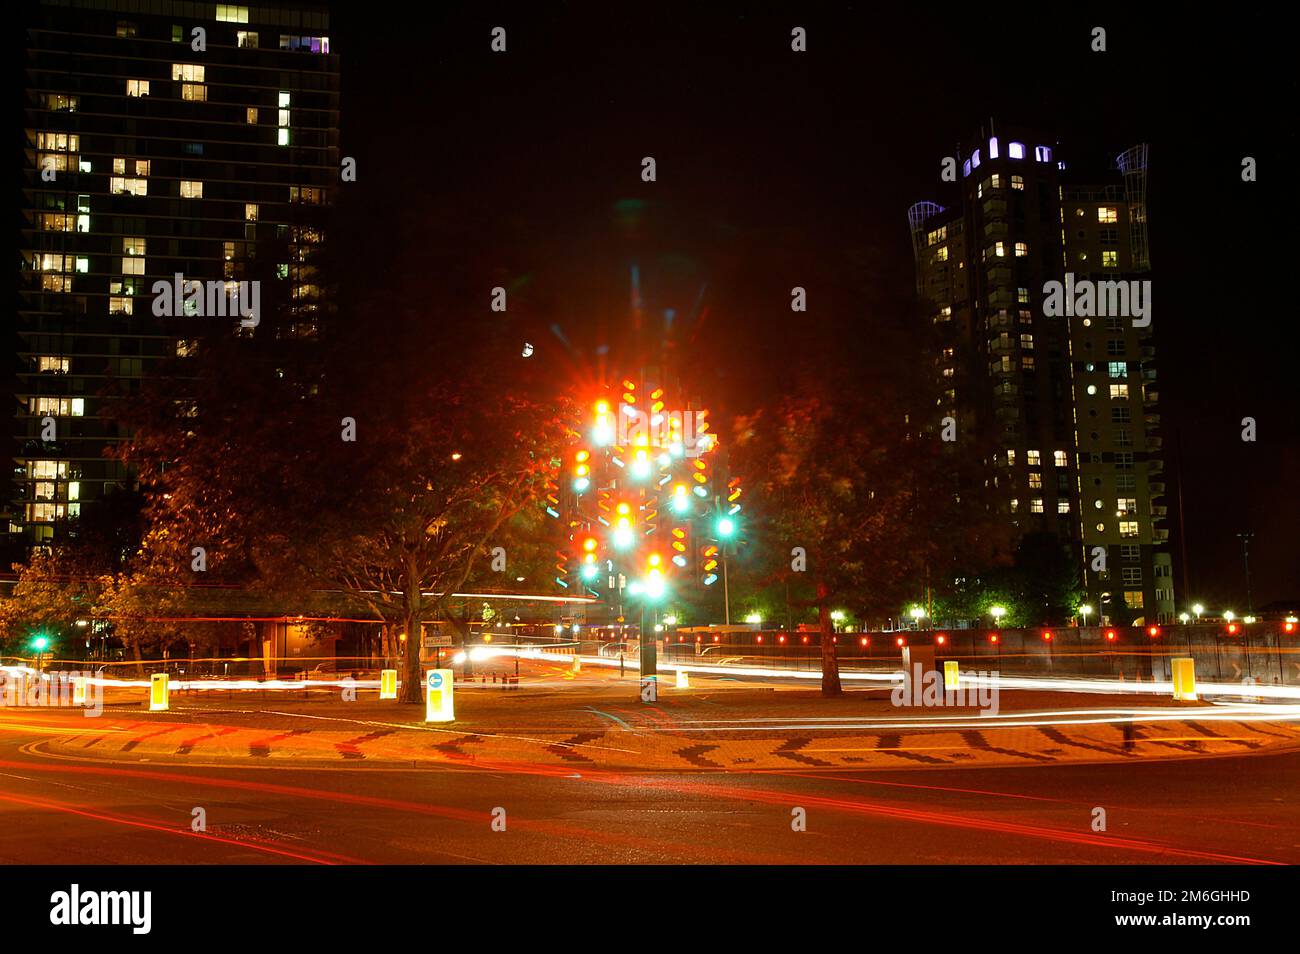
{"points": [[950, 677], [438, 703], [1184, 673], [159, 692], [388, 684], [683, 680]]}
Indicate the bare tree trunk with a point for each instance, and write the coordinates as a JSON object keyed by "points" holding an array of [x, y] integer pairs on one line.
{"points": [[830, 663], [413, 678]]}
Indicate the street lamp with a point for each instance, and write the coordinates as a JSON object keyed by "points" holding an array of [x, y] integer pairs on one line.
{"points": [[754, 618], [1085, 611], [1183, 618], [997, 612], [1198, 609], [917, 614], [1229, 615]]}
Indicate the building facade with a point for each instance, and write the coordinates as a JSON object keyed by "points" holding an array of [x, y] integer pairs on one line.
{"points": [[1039, 288], [162, 139]]}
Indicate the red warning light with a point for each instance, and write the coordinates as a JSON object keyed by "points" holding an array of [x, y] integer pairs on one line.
{"points": [[780, 639], [1232, 629], [1047, 635], [760, 639], [1153, 631], [805, 639], [899, 641], [1288, 627], [941, 638], [993, 637], [1110, 635], [863, 641], [717, 638]]}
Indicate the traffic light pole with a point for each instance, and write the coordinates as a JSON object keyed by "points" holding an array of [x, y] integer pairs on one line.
{"points": [[726, 592]]}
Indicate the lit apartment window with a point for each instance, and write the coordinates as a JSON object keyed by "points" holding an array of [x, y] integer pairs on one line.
{"points": [[247, 39], [1107, 215], [190, 76], [229, 13], [121, 305], [1133, 598], [56, 222], [59, 102], [1059, 458], [1027, 342], [1027, 362], [119, 185], [250, 211], [1117, 369], [1109, 258], [250, 115], [1035, 480], [138, 167], [133, 245], [998, 250], [1016, 150], [52, 363], [1011, 456], [1018, 183], [1035, 504], [1063, 506], [132, 265], [1126, 506], [137, 87], [937, 235], [126, 29], [1033, 458], [194, 92], [1022, 249], [1043, 153], [282, 137], [1015, 504], [995, 181], [191, 189], [305, 44], [942, 254], [1022, 296], [1119, 392]]}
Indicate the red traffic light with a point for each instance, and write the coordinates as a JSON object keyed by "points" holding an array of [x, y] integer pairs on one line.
{"points": [[1153, 631], [941, 639], [900, 641], [1288, 627], [864, 641], [1232, 629], [993, 637], [1047, 635], [1110, 635]]}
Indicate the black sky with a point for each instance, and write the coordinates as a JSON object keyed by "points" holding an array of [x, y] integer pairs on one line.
{"points": [[522, 169]]}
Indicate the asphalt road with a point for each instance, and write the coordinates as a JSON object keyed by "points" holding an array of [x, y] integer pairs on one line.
{"points": [[1208, 810]]}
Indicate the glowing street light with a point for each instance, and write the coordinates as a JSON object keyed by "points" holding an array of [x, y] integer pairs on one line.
{"points": [[1183, 618], [1198, 609], [997, 612], [1084, 612], [1229, 615], [754, 618]]}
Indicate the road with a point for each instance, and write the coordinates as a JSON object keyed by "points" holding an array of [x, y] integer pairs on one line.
{"points": [[1206, 810]]}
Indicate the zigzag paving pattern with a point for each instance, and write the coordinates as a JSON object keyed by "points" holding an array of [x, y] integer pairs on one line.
{"points": [[622, 748]]}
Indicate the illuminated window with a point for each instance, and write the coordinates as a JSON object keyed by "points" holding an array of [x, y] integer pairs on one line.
{"points": [[1016, 150], [1027, 342], [1018, 183], [1109, 258], [247, 39], [250, 115], [1022, 249], [1133, 598], [1119, 392], [1035, 504], [191, 189], [119, 185], [1011, 456], [942, 254], [1043, 153], [137, 87], [282, 137], [1063, 506], [1107, 215], [1033, 458], [1035, 480], [121, 305], [194, 92], [188, 72], [1117, 369], [229, 13], [250, 211], [1126, 506], [936, 236], [1015, 504], [1059, 458], [52, 363], [1022, 295], [998, 250]]}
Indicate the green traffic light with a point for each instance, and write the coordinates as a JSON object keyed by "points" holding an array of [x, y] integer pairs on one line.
{"points": [[39, 643], [726, 527]]}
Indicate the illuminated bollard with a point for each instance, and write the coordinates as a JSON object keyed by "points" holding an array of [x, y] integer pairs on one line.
{"points": [[159, 692], [1184, 673], [78, 690], [683, 681], [388, 684], [950, 678], [438, 704]]}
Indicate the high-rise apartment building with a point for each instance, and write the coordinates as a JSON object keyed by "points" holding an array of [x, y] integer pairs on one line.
{"points": [[163, 138], [1040, 290]]}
